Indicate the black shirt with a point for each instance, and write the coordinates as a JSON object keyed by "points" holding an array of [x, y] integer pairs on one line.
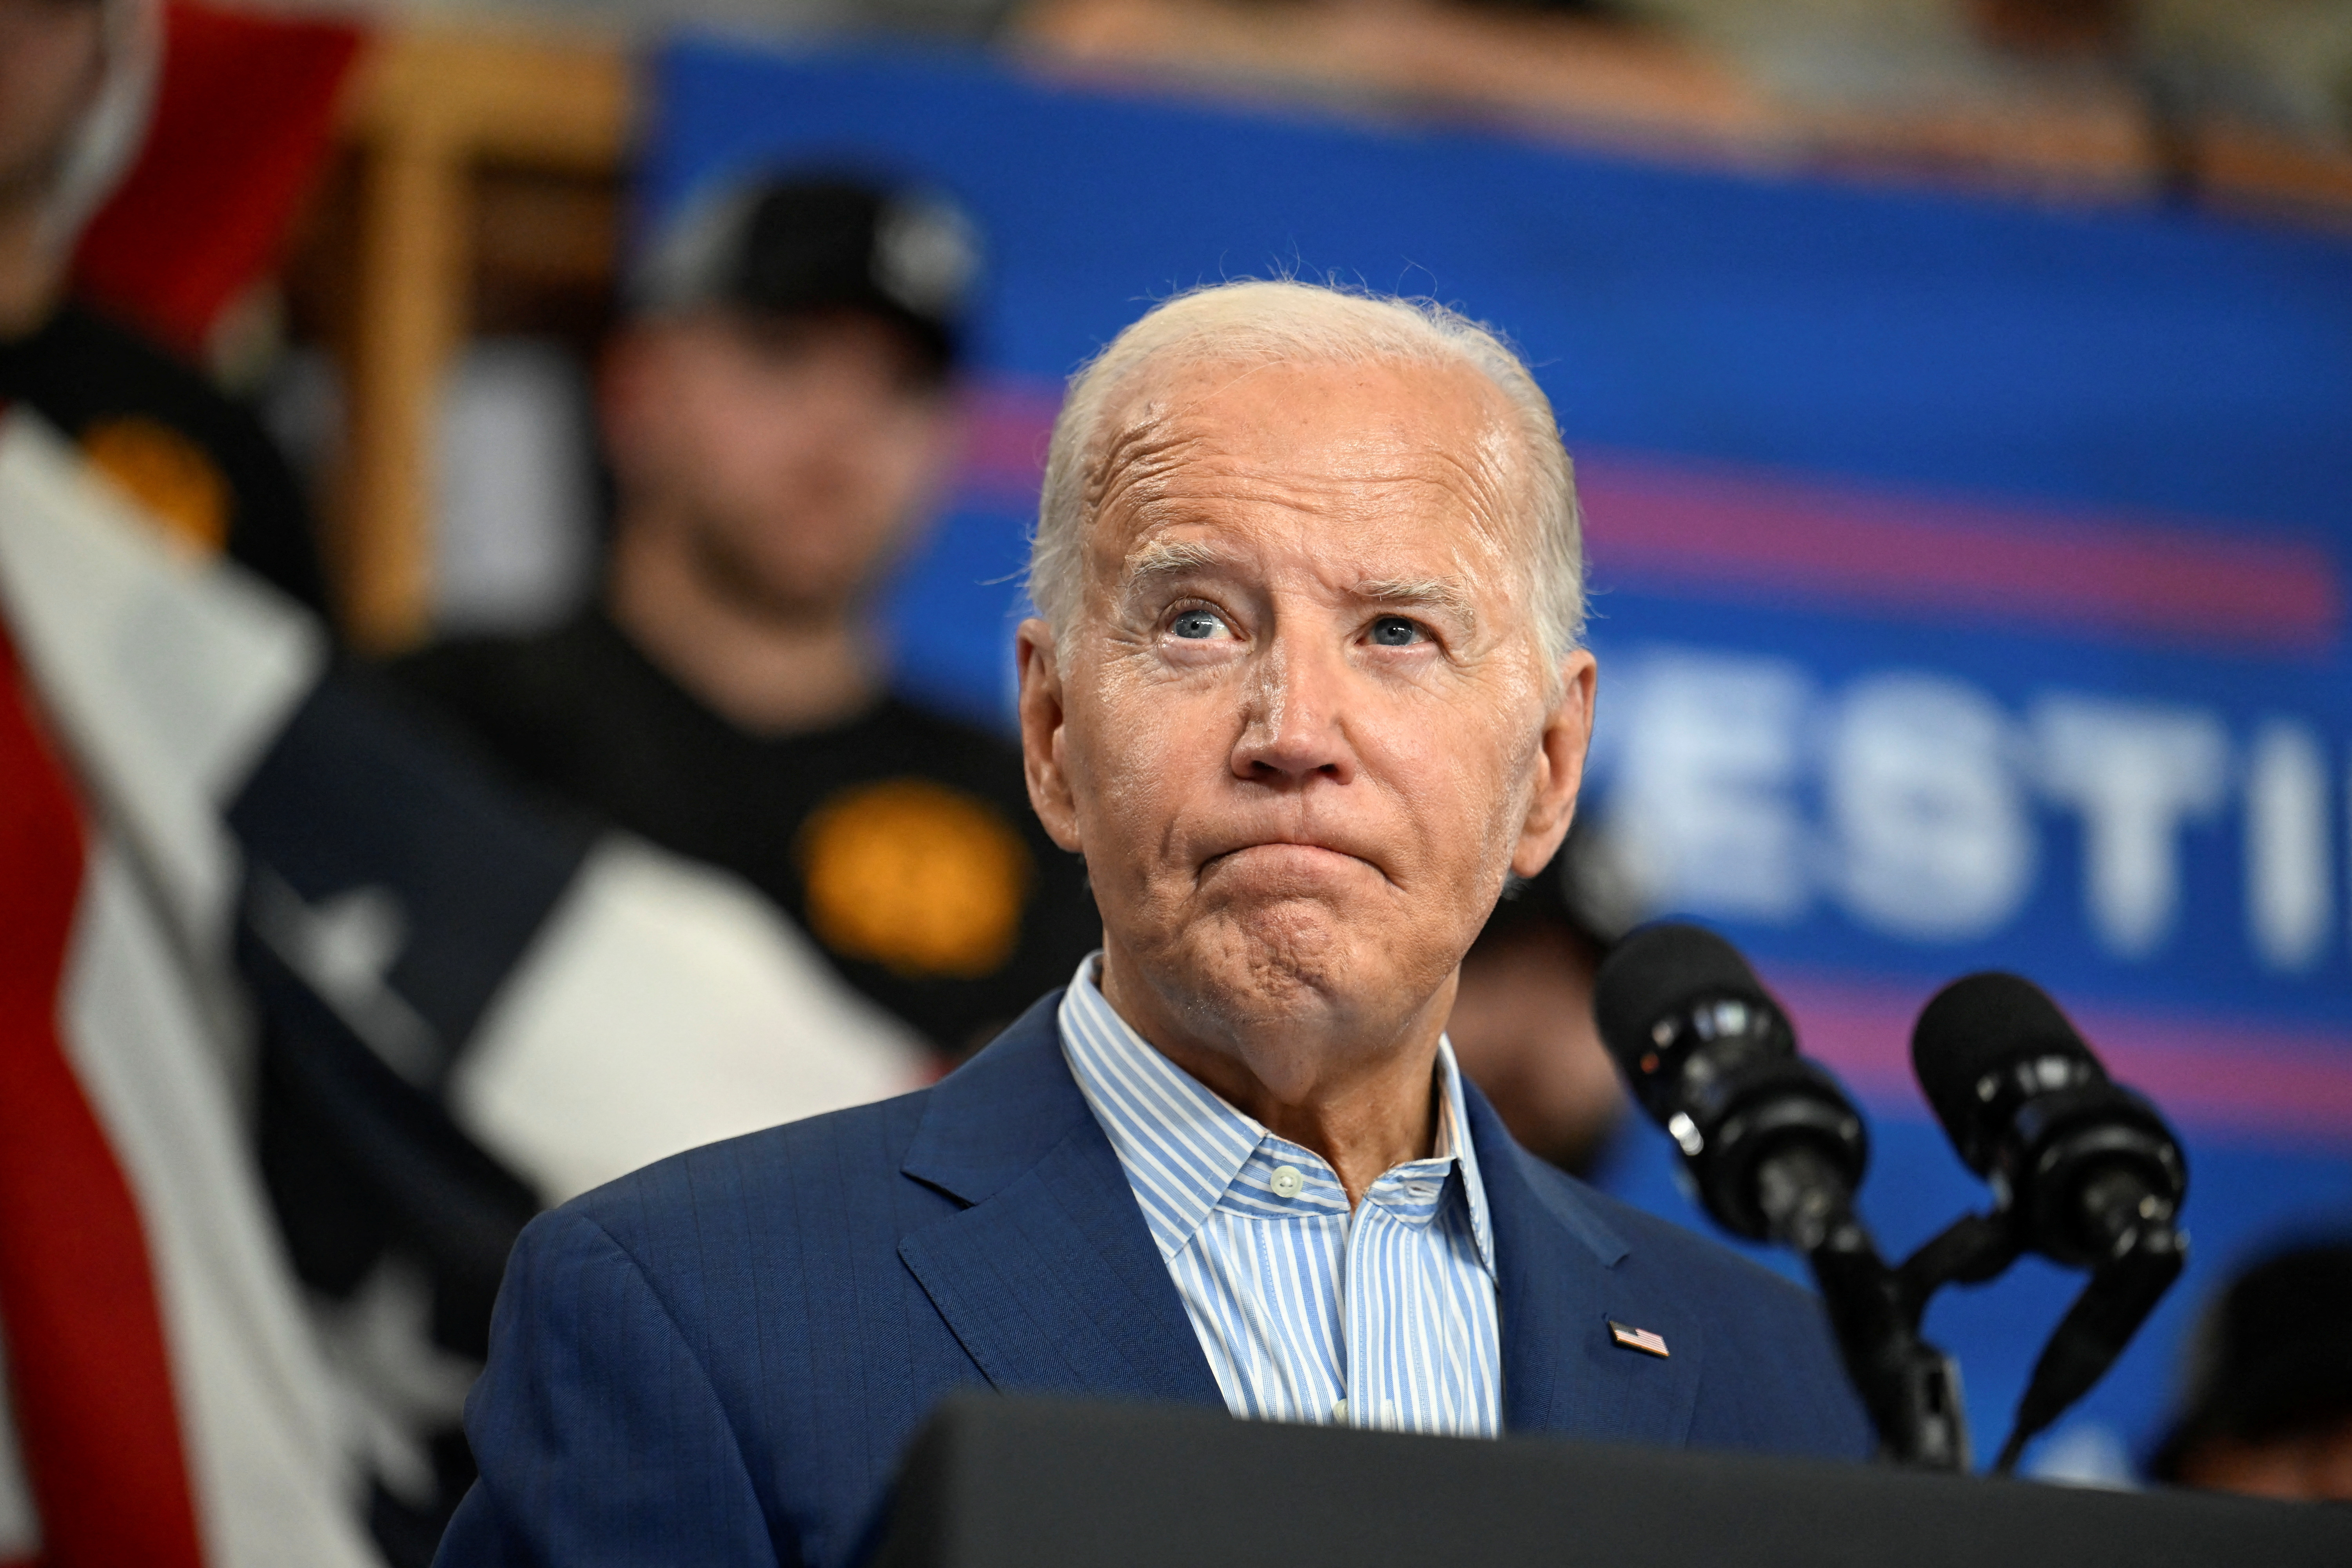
{"points": [[901, 841], [193, 455]]}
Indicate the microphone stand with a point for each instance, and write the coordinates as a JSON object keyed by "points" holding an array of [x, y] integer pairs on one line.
{"points": [[2144, 1253], [1911, 1388], [2122, 1292]]}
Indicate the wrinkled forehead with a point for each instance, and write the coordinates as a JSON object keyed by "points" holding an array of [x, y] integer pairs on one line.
{"points": [[1408, 451]]}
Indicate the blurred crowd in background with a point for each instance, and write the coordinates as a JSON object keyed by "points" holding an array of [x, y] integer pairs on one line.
{"points": [[575, 814]]}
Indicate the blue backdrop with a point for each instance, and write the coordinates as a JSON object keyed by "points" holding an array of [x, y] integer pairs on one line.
{"points": [[1968, 575]]}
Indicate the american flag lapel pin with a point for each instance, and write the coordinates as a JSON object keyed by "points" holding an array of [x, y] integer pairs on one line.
{"points": [[1634, 1339]]}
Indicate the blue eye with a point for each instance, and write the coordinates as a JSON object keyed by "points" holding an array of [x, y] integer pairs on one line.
{"points": [[1197, 625], [1395, 631]]}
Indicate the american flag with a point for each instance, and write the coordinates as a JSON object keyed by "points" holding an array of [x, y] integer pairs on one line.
{"points": [[189, 780], [1637, 1339]]}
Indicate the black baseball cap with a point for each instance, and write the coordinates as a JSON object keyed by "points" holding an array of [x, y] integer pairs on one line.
{"points": [[797, 243]]}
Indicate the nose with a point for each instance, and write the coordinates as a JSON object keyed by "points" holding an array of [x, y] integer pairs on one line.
{"points": [[1292, 724]]}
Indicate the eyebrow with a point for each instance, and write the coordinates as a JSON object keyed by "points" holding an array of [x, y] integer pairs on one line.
{"points": [[1173, 558], [1440, 595]]}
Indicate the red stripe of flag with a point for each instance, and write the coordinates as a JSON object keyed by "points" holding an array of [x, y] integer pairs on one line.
{"points": [[243, 124], [91, 1377]]}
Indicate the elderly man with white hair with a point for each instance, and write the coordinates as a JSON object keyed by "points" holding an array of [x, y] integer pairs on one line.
{"points": [[1305, 689]]}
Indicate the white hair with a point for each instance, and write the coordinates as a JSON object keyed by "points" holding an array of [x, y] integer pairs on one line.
{"points": [[1258, 322]]}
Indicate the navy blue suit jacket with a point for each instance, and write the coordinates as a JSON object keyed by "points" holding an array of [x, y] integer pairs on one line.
{"points": [[717, 1359]]}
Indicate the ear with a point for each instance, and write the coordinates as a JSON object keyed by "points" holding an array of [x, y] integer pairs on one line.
{"points": [[1560, 766], [1044, 758]]}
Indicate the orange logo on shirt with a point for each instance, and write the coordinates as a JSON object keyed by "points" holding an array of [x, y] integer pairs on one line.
{"points": [[907, 873], [170, 478]]}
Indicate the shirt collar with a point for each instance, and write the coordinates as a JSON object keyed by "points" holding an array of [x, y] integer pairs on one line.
{"points": [[1182, 1145]]}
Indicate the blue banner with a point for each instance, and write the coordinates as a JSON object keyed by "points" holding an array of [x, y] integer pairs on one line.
{"points": [[1968, 576]]}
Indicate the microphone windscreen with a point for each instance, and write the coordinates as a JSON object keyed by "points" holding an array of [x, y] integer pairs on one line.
{"points": [[1657, 971], [1973, 1026]]}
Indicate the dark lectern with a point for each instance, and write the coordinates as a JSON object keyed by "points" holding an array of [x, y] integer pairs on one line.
{"points": [[992, 1483]]}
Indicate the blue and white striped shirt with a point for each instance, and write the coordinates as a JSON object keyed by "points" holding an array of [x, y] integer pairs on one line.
{"points": [[1382, 1317]]}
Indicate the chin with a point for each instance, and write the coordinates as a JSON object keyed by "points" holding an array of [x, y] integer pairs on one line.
{"points": [[1285, 959]]}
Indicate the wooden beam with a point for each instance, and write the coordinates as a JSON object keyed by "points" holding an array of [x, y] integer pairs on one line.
{"points": [[508, 98], [425, 109]]}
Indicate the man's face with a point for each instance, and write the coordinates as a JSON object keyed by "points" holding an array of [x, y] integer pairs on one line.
{"points": [[796, 454], [52, 57], [1305, 721]]}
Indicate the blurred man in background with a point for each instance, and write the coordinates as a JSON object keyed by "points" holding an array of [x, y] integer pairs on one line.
{"points": [[2270, 1384], [77, 77], [1522, 1026], [779, 421]]}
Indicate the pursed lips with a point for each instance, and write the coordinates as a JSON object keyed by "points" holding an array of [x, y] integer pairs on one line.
{"points": [[1302, 852]]}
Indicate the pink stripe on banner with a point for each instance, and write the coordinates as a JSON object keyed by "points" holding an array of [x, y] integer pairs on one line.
{"points": [[1690, 528], [2222, 1075], [1845, 545], [1007, 427]]}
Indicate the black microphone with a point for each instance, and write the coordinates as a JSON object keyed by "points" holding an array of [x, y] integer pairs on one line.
{"points": [[1770, 1139], [2079, 1160], [2084, 1171], [1776, 1149]]}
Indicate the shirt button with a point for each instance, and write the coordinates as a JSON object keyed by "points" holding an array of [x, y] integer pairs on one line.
{"points": [[1288, 1181], [1339, 1411]]}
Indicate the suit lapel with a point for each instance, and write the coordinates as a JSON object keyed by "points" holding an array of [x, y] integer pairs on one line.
{"points": [[1049, 1279], [1051, 1282], [1559, 1286]]}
